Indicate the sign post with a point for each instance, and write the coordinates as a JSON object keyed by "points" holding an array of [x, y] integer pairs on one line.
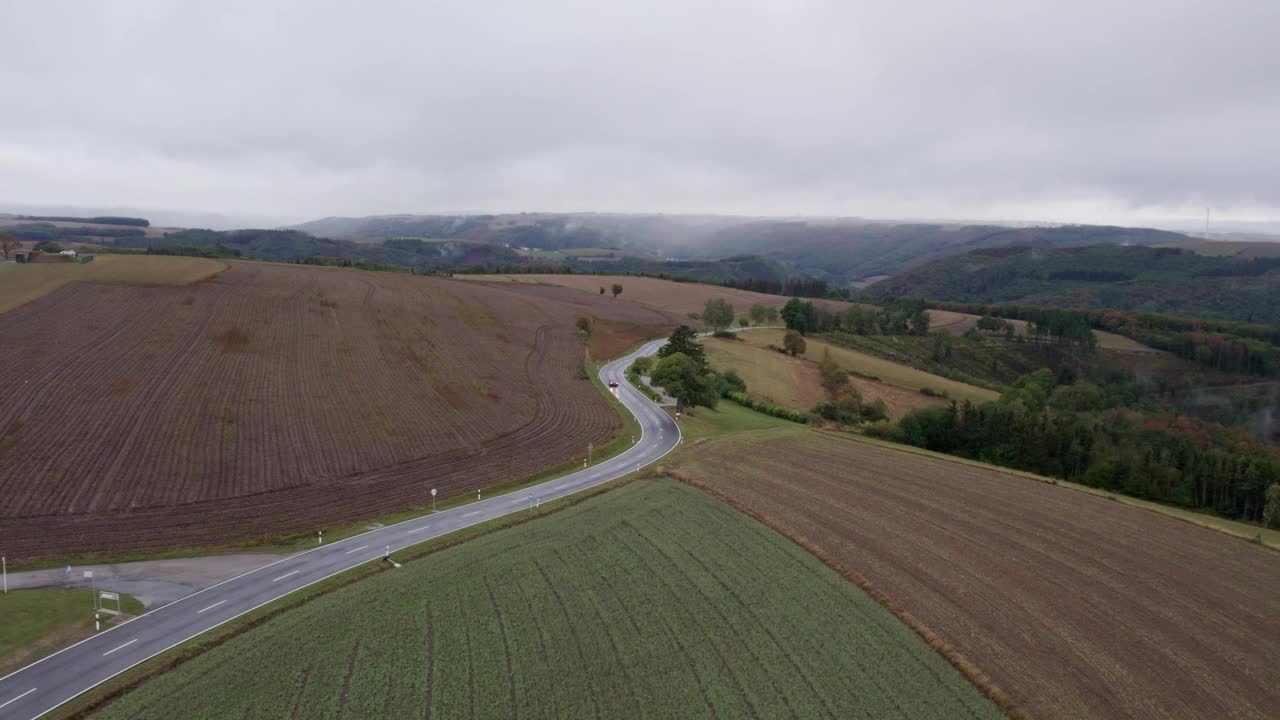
{"points": [[4, 567], [433, 499], [93, 586], [102, 605]]}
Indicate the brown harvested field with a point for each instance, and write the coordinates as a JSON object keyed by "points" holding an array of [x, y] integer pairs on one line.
{"points": [[674, 297], [1074, 605], [795, 382], [275, 399]]}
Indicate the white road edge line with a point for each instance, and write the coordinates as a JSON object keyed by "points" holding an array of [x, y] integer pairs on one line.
{"points": [[291, 572], [6, 702], [211, 606], [362, 547], [118, 647], [643, 351]]}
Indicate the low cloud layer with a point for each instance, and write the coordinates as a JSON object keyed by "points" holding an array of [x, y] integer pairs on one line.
{"points": [[1071, 111]]}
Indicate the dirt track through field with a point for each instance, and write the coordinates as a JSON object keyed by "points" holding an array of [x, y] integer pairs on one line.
{"points": [[1075, 605], [274, 399]]}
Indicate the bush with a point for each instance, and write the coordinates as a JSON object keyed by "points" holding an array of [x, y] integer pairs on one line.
{"points": [[48, 246], [768, 408], [930, 392], [730, 382], [885, 430], [725, 335]]}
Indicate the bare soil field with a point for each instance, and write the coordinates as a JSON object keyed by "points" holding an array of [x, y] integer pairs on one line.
{"points": [[276, 399], [674, 297], [1074, 605]]}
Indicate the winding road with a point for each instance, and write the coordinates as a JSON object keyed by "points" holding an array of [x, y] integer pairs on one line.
{"points": [[46, 684]]}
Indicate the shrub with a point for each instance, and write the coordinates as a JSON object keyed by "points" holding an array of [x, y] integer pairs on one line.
{"points": [[930, 392], [768, 408], [725, 335]]}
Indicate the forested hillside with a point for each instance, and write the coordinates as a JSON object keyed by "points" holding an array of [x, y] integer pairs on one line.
{"points": [[1145, 279], [840, 251]]}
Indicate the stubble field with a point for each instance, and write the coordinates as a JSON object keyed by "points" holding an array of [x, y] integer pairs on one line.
{"points": [[1076, 606], [651, 600], [275, 399]]}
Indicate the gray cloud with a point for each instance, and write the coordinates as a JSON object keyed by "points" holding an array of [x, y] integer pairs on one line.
{"points": [[1084, 111]]}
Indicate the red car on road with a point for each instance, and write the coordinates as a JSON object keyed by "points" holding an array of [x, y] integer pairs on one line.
{"points": [[613, 383]]}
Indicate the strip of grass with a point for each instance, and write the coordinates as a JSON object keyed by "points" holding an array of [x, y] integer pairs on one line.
{"points": [[34, 280], [652, 599], [37, 622]]}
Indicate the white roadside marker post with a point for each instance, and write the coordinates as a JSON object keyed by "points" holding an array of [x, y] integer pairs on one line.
{"points": [[4, 562], [97, 625], [319, 537]]}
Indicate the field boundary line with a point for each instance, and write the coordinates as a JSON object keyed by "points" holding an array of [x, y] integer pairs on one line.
{"points": [[966, 667], [1045, 480]]}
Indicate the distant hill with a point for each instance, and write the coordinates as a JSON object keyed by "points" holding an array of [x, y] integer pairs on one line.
{"points": [[841, 251], [1149, 279]]}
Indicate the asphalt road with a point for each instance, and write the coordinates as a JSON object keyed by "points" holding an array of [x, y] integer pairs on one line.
{"points": [[48, 683]]}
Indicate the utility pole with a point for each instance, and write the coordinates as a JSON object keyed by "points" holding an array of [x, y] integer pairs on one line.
{"points": [[588, 453]]}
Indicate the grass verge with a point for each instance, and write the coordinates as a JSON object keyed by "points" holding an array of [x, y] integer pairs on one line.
{"points": [[38, 622]]}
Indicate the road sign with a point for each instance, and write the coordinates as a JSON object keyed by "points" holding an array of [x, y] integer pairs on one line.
{"points": [[106, 595], [109, 595], [433, 492]]}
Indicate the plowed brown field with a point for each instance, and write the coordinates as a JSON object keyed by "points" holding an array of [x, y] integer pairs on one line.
{"points": [[274, 399], [1074, 605]]}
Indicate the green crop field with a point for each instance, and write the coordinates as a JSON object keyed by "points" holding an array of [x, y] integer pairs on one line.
{"points": [[649, 600]]}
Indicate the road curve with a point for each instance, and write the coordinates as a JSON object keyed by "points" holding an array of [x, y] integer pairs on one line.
{"points": [[46, 684]]}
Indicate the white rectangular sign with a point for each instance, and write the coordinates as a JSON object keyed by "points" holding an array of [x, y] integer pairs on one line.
{"points": [[109, 595]]}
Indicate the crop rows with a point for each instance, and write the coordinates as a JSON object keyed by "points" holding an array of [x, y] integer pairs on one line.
{"points": [[273, 399], [1074, 605], [651, 600]]}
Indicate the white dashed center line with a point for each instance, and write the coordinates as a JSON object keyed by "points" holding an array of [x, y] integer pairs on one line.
{"points": [[293, 572], [122, 646], [211, 606]]}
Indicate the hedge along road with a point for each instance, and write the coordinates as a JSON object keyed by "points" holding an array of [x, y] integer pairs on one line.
{"points": [[46, 684]]}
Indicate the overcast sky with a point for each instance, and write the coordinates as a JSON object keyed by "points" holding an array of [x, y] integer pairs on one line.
{"points": [[1117, 111]]}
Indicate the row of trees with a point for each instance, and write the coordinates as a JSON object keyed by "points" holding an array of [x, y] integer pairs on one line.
{"points": [[1062, 431], [793, 287], [898, 317]]}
